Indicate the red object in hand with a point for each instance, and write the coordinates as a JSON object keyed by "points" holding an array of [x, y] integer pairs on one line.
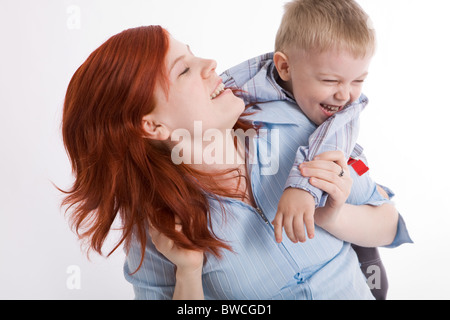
{"points": [[358, 165]]}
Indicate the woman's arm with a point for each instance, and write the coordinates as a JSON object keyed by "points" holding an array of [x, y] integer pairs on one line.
{"points": [[189, 285], [363, 225], [189, 266]]}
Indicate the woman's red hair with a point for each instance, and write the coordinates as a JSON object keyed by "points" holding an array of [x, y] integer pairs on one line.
{"points": [[116, 169]]}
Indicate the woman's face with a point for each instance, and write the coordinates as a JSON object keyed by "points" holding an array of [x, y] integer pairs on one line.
{"points": [[195, 94]]}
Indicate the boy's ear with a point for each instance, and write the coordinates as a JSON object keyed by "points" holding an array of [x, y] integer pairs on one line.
{"points": [[153, 129], [282, 64]]}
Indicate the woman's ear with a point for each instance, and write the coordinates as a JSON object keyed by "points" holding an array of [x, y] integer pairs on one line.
{"points": [[282, 64], [154, 130]]}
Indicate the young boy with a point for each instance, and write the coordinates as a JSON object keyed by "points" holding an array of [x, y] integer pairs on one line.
{"points": [[322, 54]]}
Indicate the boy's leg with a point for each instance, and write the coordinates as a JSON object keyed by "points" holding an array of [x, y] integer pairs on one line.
{"points": [[373, 269]]}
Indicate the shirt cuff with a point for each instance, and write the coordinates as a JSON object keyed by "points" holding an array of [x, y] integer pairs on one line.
{"points": [[296, 180], [402, 235], [376, 199]]}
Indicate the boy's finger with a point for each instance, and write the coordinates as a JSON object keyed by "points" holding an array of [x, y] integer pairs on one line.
{"points": [[289, 229], [278, 227], [299, 228], [309, 223]]}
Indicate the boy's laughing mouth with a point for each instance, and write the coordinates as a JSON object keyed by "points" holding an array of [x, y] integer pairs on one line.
{"points": [[329, 110]]}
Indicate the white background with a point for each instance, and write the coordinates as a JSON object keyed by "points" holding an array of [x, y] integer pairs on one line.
{"points": [[405, 128]]}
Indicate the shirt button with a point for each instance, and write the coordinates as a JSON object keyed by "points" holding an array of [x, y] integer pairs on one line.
{"points": [[299, 278]]}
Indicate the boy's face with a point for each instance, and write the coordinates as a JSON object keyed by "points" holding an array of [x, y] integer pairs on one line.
{"points": [[324, 83]]}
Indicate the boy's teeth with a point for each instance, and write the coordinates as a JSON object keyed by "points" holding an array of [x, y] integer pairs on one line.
{"points": [[330, 108], [220, 88]]}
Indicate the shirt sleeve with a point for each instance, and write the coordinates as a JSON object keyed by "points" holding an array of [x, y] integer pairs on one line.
{"points": [[155, 279], [402, 235], [339, 132], [365, 192]]}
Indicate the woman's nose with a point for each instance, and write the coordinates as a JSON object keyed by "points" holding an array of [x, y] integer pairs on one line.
{"points": [[209, 67]]}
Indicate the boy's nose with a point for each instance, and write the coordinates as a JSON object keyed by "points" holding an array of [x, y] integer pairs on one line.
{"points": [[209, 67], [343, 94]]}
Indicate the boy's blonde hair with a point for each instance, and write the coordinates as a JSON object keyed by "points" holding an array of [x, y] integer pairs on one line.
{"points": [[319, 25]]}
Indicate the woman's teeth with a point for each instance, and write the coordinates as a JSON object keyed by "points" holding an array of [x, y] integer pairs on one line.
{"points": [[330, 108], [220, 88]]}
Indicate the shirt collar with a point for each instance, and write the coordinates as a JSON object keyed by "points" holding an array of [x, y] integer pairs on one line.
{"points": [[262, 86]]}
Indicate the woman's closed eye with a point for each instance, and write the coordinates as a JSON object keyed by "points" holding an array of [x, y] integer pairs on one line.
{"points": [[185, 71]]}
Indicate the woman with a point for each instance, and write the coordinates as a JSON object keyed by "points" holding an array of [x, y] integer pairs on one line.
{"points": [[195, 229]]}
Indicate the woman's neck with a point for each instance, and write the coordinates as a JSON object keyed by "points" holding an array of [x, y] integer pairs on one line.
{"points": [[218, 152], [224, 157]]}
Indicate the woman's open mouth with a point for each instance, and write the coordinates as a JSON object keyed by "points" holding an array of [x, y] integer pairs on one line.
{"points": [[220, 88]]}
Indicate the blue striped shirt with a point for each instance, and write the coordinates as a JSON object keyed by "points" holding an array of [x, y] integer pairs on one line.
{"points": [[259, 268]]}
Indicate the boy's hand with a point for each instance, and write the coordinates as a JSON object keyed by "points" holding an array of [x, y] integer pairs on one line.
{"points": [[295, 211]]}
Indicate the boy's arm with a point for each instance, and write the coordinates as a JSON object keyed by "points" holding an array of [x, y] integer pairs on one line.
{"points": [[296, 209], [338, 133]]}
